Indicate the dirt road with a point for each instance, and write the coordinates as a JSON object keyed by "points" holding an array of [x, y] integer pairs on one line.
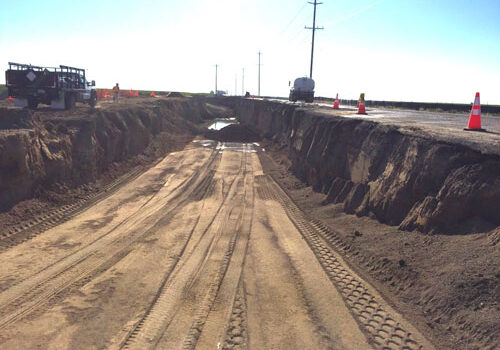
{"points": [[204, 251]]}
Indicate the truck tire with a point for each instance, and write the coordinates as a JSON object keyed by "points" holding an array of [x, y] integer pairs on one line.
{"points": [[32, 103], [69, 101], [93, 99]]}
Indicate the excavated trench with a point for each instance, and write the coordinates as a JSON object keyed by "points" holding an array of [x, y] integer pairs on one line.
{"points": [[378, 170], [373, 169], [409, 181], [46, 149]]}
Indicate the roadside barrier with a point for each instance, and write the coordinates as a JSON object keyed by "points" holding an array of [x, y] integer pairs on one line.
{"points": [[336, 103], [361, 104], [129, 93], [102, 94], [475, 116]]}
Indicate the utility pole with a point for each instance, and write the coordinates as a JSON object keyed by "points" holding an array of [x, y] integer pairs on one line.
{"points": [[243, 82], [313, 28], [235, 84], [260, 53], [216, 66]]}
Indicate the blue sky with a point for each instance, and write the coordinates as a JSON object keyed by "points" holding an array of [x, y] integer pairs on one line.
{"points": [[415, 50]]}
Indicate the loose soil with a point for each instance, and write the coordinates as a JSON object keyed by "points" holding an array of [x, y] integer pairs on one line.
{"points": [[203, 250], [448, 285]]}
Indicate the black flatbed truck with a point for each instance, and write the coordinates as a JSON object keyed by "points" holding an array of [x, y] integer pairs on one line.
{"points": [[58, 87]]}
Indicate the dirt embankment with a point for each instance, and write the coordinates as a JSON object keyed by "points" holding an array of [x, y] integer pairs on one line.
{"points": [[380, 171], [41, 150]]}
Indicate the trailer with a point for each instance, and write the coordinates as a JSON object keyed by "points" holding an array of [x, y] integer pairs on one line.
{"points": [[58, 87], [302, 89]]}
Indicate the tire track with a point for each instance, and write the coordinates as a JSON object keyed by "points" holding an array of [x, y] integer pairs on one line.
{"points": [[383, 326], [180, 188], [23, 232], [210, 321], [149, 330], [236, 335], [86, 262]]}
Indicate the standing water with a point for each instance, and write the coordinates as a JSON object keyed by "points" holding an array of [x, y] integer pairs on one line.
{"points": [[222, 123]]}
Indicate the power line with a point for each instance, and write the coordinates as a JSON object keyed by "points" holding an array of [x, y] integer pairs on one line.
{"points": [[313, 28], [294, 18]]}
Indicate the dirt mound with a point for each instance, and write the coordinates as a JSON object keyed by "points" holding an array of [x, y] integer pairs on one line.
{"points": [[217, 112], [175, 94], [233, 133]]}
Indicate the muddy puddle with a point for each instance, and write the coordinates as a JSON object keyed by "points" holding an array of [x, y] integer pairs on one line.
{"points": [[219, 124]]}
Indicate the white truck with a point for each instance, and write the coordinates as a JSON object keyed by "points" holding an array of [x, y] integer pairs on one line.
{"points": [[58, 87], [302, 89]]}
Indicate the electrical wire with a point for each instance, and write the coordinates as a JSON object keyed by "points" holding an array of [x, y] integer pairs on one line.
{"points": [[294, 18]]}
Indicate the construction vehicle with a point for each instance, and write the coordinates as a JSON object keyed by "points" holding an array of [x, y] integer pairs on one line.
{"points": [[59, 87], [302, 89]]}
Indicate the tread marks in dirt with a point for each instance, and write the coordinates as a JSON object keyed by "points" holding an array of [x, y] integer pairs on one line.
{"points": [[85, 263], [26, 231], [374, 319], [236, 334], [150, 329], [229, 306]]}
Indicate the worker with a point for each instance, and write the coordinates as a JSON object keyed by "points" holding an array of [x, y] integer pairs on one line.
{"points": [[116, 92]]}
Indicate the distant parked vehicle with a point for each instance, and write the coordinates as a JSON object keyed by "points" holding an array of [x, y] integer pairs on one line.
{"points": [[59, 87], [302, 89]]}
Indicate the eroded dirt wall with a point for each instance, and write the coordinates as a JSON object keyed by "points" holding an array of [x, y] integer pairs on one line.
{"points": [[41, 148], [379, 170]]}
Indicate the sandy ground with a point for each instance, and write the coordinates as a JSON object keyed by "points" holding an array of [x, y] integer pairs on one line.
{"points": [[204, 250], [448, 284]]}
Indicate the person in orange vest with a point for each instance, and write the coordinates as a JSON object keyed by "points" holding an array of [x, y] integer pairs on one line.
{"points": [[116, 92]]}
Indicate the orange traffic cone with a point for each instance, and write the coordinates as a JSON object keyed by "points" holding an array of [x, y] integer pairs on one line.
{"points": [[336, 103], [152, 94], [361, 104], [475, 116]]}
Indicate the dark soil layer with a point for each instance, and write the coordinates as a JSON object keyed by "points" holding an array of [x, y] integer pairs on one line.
{"points": [[233, 133], [374, 169], [448, 286]]}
